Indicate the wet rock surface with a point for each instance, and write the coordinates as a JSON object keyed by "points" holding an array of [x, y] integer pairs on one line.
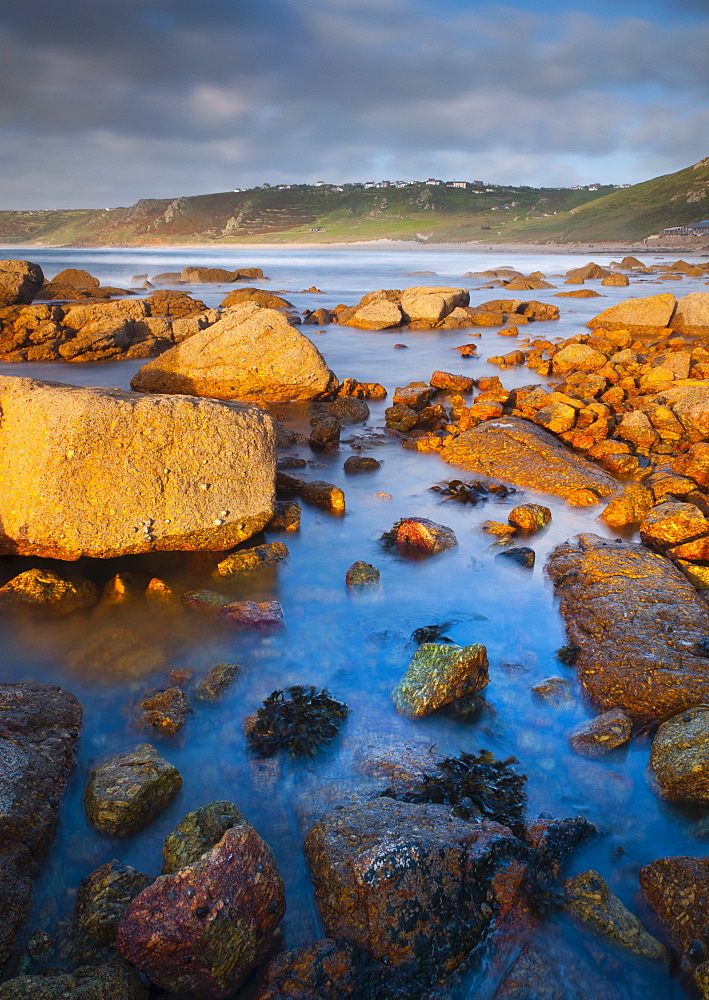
{"points": [[440, 674], [101, 901], [636, 621], [205, 928], [601, 735], [410, 885], [679, 758], [129, 789], [39, 728], [197, 833], [107, 473], [42, 590], [521, 453], [91, 982]]}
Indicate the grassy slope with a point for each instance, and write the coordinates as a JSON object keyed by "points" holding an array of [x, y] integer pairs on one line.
{"points": [[436, 213]]}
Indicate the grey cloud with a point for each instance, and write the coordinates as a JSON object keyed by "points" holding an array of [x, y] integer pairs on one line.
{"points": [[154, 98]]}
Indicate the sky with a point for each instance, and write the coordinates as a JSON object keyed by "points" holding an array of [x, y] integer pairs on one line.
{"points": [[103, 102]]}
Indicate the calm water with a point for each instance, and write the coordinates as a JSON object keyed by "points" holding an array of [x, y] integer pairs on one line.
{"points": [[358, 647]]}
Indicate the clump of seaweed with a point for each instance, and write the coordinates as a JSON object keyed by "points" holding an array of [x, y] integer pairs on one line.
{"points": [[477, 786], [299, 720], [568, 654], [472, 492], [702, 648], [431, 633]]}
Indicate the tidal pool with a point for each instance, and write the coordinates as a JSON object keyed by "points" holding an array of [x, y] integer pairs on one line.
{"points": [[356, 645]]}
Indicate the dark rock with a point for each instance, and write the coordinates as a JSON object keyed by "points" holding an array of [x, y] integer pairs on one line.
{"points": [[361, 463], [91, 982], [526, 455], [346, 409], [197, 833], [129, 789], [216, 681], [325, 435], [39, 727], [411, 885], [253, 616], [100, 903], [677, 888], [204, 929], [522, 555], [555, 690], [286, 516], [325, 495], [635, 620]]}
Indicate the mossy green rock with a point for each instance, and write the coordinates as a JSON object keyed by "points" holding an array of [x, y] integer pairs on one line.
{"points": [[125, 793], [590, 900], [94, 982], [198, 833], [440, 674]]}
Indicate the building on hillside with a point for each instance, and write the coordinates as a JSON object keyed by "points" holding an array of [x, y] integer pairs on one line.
{"points": [[691, 229], [457, 184]]}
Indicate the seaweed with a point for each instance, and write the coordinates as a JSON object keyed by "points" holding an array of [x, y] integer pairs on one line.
{"points": [[299, 720], [472, 492], [702, 648], [568, 654], [431, 633], [477, 786]]}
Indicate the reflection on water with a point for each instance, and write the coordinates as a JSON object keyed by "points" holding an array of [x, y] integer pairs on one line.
{"points": [[357, 646]]}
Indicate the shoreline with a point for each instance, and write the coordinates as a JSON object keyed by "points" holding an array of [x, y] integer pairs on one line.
{"points": [[621, 246]]}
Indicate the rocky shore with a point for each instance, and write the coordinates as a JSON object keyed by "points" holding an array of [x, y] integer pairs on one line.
{"points": [[425, 865]]}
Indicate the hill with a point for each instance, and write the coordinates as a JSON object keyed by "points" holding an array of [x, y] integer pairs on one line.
{"points": [[437, 212]]}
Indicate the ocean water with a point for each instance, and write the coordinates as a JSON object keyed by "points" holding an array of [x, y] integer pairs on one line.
{"points": [[357, 646]]}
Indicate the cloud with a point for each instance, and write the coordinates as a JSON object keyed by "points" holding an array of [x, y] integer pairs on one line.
{"points": [[133, 98]]}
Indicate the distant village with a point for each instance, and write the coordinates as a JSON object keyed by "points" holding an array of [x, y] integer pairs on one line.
{"points": [[477, 187]]}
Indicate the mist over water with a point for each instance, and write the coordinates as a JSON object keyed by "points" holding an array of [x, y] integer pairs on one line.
{"points": [[357, 646]]}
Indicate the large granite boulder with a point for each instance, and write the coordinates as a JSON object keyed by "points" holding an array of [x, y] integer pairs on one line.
{"points": [[635, 621], [409, 883], [110, 473], [250, 354], [692, 313], [39, 727], [637, 315], [203, 930], [20, 281], [527, 455]]}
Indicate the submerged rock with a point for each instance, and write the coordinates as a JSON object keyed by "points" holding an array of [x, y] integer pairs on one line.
{"points": [[414, 887], [197, 833], [216, 681], [527, 455], [43, 590], [205, 928], [438, 675], [602, 734], [253, 616], [129, 789], [635, 620], [108, 475], [268, 554], [679, 758], [361, 463], [249, 354], [39, 728], [590, 900]]}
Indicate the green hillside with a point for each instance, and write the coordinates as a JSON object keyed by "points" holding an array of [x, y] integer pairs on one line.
{"points": [[324, 213]]}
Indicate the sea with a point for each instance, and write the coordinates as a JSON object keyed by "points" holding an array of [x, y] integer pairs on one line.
{"points": [[357, 646]]}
